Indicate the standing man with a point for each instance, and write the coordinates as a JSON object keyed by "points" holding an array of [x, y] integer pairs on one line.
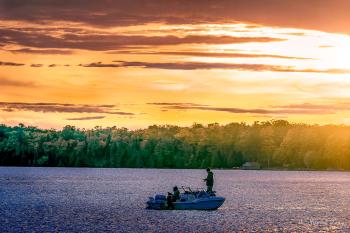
{"points": [[209, 180]]}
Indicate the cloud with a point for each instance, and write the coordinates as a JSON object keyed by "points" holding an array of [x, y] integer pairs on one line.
{"points": [[295, 33], [122, 113], [212, 54], [309, 106], [61, 108], [85, 118], [106, 105], [230, 66], [36, 65], [258, 110], [4, 63], [312, 14], [41, 51], [262, 111], [15, 83], [104, 41], [198, 66], [298, 109], [99, 64]]}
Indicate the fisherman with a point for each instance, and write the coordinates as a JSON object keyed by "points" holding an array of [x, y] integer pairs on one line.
{"points": [[209, 181], [169, 200], [176, 195]]}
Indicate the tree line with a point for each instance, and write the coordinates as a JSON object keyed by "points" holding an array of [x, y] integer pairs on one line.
{"points": [[273, 144]]}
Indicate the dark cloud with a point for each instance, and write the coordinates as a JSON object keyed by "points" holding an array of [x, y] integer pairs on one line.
{"points": [[36, 65], [208, 66], [261, 111], [41, 51], [15, 83], [323, 15], [303, 109], [218, 55], [62, 108], [85, 118], [231, 66], [106, 105], [55, 65], [4, 63], [99, 64], [104, 42], [122, 113], [199, 65]]}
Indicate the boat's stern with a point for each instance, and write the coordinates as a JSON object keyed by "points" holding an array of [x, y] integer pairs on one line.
{"points": [[156, 203]]}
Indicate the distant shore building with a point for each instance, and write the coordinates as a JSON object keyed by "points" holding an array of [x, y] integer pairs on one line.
{"points": [[251, 166]]}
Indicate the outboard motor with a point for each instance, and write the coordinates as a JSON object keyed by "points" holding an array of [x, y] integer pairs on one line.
{"points": [[160, 197], [157, 202]]}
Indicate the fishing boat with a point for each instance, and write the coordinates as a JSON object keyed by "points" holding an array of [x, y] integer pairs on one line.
{"points": [[189, 200]]}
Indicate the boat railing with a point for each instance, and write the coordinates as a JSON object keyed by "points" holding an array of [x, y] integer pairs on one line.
{"points": [[195, 191]]}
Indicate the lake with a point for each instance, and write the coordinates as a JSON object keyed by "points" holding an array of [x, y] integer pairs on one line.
{"points": [[97, 199]]}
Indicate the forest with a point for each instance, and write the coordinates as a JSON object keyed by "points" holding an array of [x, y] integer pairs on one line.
{"points": [[274, 144]]}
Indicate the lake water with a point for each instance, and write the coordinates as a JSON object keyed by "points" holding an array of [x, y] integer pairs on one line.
{"points": [[95, 200]]}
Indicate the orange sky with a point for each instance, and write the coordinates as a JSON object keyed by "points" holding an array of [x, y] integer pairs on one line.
{"points": [[136, 63]]}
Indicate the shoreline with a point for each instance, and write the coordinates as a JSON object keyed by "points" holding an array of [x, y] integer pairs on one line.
{"points": [[165, 168]]}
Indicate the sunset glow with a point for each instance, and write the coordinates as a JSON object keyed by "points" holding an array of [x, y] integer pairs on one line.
{"points": [[92, 68]]}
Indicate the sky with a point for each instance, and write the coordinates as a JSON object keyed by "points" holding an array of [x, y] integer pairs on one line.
{"points": [[137, 63]]}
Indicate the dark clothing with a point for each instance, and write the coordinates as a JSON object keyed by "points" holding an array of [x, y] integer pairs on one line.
{"points": [[169, 200], [209, 188], [176, 195], [210, 181]]}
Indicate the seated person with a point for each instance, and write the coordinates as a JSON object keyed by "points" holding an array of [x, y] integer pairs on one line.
{"points": [[176, 195], [169, 200]]}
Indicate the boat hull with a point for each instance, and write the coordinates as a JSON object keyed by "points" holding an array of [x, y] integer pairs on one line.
{"points": [[211, 203], [207, 203]]}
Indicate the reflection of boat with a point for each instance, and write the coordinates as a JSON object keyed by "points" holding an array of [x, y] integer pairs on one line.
{"points": [[189, 200]]}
